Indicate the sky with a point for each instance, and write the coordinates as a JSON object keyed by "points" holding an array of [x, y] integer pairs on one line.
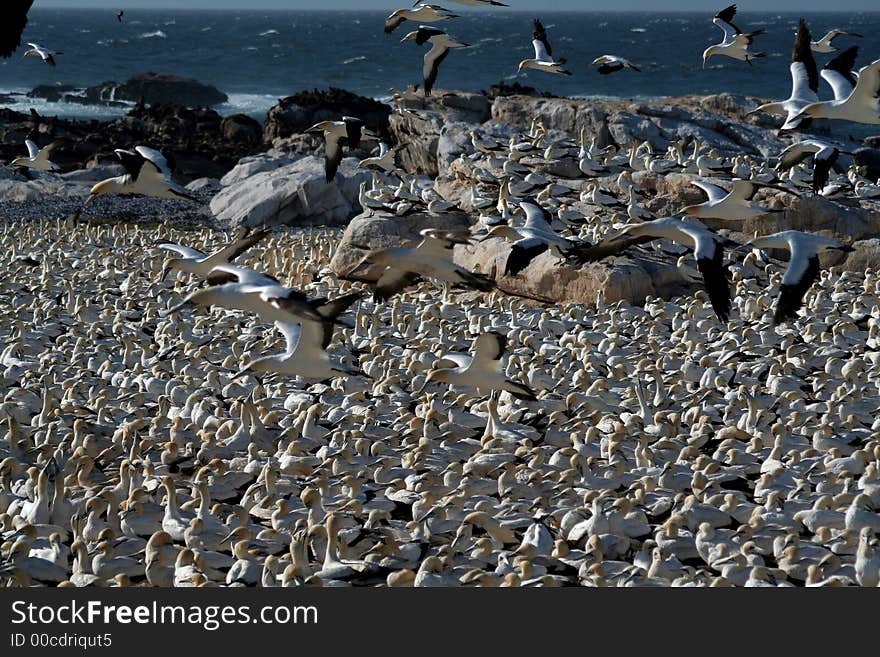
{"points": [[525, 5]]}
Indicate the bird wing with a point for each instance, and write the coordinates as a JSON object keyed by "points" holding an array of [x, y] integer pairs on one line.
{"points": [[332, 156], [537, 218], [131, 161], [392, 281], [522, 253], [33, 149], [729, 32], [797, 153], [448, 361], [867, 88], [714, 192], [291, 333], [233, 274], [154, 157], [439, 239], [743, 190], [392, 22], [803, 270], [822, 163], [431, 67], [543, 51], [13, 24], [237, 246], [425, 33], [839, 73], [353, 129], [804, 73], [710, 261], [185, 251], [489, 346]]}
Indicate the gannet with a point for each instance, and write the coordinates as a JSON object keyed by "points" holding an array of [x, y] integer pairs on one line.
{"points": [[533, 238], [736, 42], [347, 132], [824, 156], [612, 63], [861, 106], [146, 173], [194, 261], [13, 19], [37, 158], [478, 3], [804, 81], [239, 288], [431, 258], [707, 246], [803, 267], [482, 371], [824, 45], [441, 44], [733, 205], [423, 13], [543, 60], [45, 54], [305, 354]]}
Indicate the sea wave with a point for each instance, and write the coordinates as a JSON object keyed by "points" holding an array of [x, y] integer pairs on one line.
{"points": [[158, 34], [354, 59]]}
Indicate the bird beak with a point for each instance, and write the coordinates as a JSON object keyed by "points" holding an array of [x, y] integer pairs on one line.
{"points": [[88, 200], [165, 271], [241, 374], [315, 128], [409, 37]]}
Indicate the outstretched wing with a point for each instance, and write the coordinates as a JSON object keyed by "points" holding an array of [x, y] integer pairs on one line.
{"points": [[155, 158], [236, 247], [185, 251], [839, 73], [714, 192], [724, 20], [804, 73], [543, 51], [490, 346], [33, 149]]}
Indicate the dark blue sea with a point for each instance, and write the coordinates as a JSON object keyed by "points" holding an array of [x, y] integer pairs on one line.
{"points": [[257, 57]]}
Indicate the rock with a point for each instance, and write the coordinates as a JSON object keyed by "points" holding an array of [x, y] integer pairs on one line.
{"points": [[868, 162], [161, 88], [628, 279], [242, 129], [293, 194], [516, 89], [95, 173], [14, 191], [250, 166], [380, 231], [207, 185], [301, 111]]}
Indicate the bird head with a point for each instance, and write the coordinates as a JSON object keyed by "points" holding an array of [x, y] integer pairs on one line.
{"points": [[707, 53], [167, 266], [411, 36], [522, 65], [433, 377], [100, 189]]}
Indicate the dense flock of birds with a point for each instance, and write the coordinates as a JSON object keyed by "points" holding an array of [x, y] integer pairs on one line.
{"points": [[157, 434]]}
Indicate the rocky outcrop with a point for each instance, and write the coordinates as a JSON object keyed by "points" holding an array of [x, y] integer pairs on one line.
{"points": [[148, 87], [628, 279], [293, 194], [297, 113], [379, 230]]}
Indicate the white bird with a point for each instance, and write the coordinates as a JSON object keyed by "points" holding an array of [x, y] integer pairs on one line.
{"points": [[479, 3], [194, 261], [431, 258], [533, 238], [482, 371], [347, 132], [384, 161], [824, 45], [422, 13], [861, 106], [707, 246], [45, 54], [36, 158], [736, 42], [803, 267], [733, 205], [543, 60], [824, 156], [146, 173], [238, 288], [441, 44], [305, 354], [612, 63], [804, 81]]}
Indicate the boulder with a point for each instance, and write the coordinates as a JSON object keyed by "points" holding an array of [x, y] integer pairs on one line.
{"points": [[162, 88], [293, 194], [209, 186], [631, 279], [242, 128], [46, 186], [301, 111], [379, 230], [94, 174], [254, 164]]}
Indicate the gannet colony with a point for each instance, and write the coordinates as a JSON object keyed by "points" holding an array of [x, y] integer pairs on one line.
{"points": [[188, 407]]}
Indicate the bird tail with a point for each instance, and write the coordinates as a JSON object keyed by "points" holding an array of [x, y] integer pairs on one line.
{"points": [[758, 55], [520, 391]]}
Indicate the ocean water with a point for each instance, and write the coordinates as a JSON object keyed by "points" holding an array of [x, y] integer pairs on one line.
{"points": [[258, 57]]}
